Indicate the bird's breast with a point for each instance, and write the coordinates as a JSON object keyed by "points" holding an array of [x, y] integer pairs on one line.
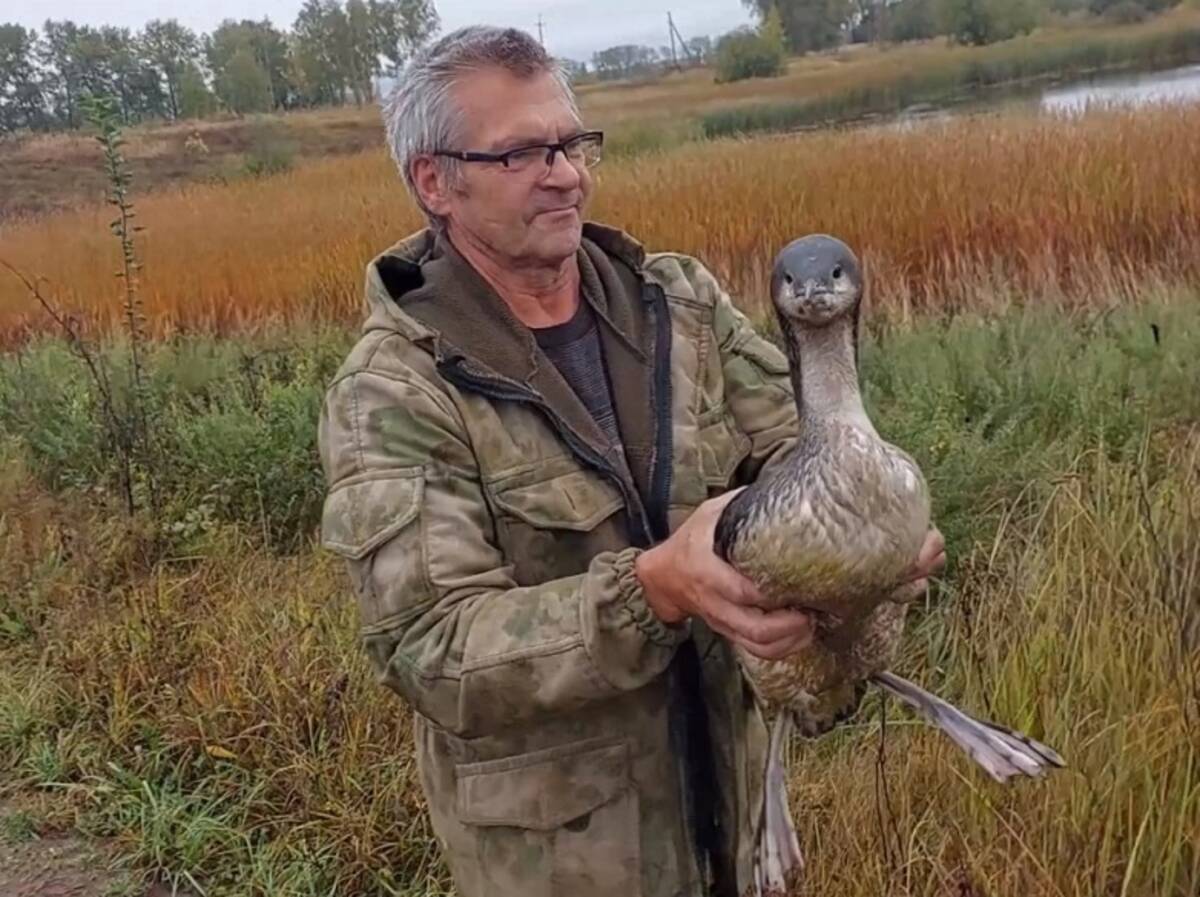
{"points": [[837, 526]]}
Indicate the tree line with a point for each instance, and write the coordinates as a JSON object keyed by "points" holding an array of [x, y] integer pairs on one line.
{"points": [[819, 24], [331, 55]]}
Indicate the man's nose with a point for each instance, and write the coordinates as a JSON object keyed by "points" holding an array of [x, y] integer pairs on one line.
{"points": [[562, 173]]}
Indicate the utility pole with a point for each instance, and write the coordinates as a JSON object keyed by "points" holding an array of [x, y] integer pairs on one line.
{"points": [[671, 28], [541, 33], [677, 37]]}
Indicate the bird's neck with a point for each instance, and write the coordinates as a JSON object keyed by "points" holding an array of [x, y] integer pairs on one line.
{"points": [[825, 374]]}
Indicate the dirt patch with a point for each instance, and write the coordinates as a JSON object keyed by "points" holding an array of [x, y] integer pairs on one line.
{"points": [[62, 865]]}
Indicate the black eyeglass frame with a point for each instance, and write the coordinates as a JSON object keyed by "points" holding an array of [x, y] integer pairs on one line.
{"points": [[550, 148]]}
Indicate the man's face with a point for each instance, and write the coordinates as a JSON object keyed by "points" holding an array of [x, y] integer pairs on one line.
{"points": [[529, 217]]}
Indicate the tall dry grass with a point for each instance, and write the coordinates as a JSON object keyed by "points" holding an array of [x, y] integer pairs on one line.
{"points": [[945, 214], [214, 715]]}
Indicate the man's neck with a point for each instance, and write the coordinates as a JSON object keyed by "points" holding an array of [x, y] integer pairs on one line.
{"points": [[538, 296]]}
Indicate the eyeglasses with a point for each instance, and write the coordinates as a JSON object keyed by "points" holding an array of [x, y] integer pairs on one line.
{"points": [[582, 149]]}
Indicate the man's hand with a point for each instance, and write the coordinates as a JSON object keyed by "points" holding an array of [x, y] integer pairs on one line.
{"points": [[682, 577], [930, 560]]}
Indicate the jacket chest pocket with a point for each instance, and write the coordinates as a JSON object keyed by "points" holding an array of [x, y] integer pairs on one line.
{"points": [[723, 446], [554, 527], [562, 821]]}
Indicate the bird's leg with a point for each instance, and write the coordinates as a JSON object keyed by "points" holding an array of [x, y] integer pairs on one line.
{"points": [[1002, 752], [779, 861]]}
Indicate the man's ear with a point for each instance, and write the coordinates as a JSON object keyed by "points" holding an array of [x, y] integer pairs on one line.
{"points": [[430, 182]]}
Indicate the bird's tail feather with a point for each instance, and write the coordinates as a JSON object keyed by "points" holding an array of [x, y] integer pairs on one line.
{"points": [[1001, 751]]}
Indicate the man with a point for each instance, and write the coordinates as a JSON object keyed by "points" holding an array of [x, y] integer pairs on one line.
{"points": [[527, 452]]}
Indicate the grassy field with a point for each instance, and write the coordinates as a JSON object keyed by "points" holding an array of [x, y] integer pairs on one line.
{"points": [[202, 701], [59, 171], [946, 215], [188, 688]]}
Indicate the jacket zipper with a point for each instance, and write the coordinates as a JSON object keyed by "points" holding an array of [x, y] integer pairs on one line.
{"points": [[660, 474], [508, 390]]}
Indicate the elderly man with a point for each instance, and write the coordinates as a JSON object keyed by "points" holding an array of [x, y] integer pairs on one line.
{"points": [[527, 452]]}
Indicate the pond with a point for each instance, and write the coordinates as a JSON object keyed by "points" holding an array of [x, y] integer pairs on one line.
{"points": [[1178, 85], [1170, 86]]}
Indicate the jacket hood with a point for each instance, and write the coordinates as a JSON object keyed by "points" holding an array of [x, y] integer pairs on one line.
{"points": [[398, 271]]}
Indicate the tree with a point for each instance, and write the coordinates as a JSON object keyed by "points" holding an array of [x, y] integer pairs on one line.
{"points": [[746, 53], [194, 97], [911, 20], [321, 45], [169, 47], [623, 61], [265, 44], [808, 24], [22, 104], [700, 48], [981, 22], [57, 55], [401, 26]]}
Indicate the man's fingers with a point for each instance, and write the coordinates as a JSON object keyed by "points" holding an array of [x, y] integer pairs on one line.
{"points": [[934, 547], [779, 649], [931, 558], [909, 591], [762, 627], [725, 583]]}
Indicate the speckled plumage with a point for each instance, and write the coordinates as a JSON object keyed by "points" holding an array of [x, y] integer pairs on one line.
{"points": [[831, 530]]}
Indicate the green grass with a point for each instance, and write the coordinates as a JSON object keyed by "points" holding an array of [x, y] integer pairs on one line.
{"points": [[207, 706]]}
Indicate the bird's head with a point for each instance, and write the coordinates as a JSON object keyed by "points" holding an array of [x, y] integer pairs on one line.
{"points": [[817, 279]]}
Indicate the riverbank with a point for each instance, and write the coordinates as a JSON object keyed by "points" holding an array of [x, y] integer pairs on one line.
{"points": [[988, 75], [198, 699], [57, 172]]}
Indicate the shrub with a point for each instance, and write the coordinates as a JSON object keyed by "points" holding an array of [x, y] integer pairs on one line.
{"points": [[1127, 12], [746, 53], [911, 20], [982, 22]]}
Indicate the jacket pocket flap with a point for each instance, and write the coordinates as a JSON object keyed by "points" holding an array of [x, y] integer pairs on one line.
{"points": [[765, 354], [573, 501], [362, 514], [544, 789], [722, 448]]}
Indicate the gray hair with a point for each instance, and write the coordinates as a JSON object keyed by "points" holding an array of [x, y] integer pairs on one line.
{"points": [[420, 116]]}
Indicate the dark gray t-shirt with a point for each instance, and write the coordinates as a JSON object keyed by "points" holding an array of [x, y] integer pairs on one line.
{"points": [[574, 347]]}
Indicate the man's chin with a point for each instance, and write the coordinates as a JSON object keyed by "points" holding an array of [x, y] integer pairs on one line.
{"points": [[557, 235]]}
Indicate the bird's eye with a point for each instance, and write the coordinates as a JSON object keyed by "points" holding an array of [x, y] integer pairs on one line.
{"points": [[837, 272], [787, 278]]}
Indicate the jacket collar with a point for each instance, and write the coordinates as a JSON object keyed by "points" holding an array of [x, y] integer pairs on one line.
{"points": [[424, 288]]}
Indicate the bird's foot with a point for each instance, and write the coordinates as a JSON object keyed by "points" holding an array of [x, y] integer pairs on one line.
{"points": [[1001, 751], [778, 863]]}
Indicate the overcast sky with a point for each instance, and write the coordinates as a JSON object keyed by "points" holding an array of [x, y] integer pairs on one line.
{"points": [[573, 28]]}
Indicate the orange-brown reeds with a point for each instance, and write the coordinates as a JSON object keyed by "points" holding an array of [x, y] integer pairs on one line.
{"points": [[949, 213]]}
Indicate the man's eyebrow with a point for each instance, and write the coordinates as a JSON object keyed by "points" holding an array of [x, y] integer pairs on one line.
{"points": [[508, 143], [512, 142]]}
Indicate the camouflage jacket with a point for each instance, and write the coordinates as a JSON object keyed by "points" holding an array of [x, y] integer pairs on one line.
{"points": [[491, 536]]}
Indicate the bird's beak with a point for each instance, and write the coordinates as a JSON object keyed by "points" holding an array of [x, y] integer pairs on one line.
{"points": [[809, 287]]}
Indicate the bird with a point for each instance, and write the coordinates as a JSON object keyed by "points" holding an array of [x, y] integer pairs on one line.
{"points": [[833, 529]]}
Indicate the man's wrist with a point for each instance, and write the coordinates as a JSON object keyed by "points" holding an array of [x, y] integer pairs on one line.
{"points": [[644, 567]]}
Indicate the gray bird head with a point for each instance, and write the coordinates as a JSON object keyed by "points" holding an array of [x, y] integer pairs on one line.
{"points": [[817, 279]]}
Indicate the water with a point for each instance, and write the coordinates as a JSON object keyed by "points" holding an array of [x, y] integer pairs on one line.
{"points": [[1171, 86], [1180, 85]]}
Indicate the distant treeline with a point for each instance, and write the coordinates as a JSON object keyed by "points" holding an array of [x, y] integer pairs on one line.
{"points": [[820, 24], [332, 55]]}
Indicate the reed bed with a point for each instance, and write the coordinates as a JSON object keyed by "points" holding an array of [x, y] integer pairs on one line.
{"points": [[976, 210]]}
